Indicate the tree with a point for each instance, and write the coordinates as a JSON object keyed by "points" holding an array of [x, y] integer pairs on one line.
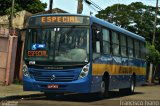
{"points": [[9, 12], [135, 17], [153, 56], [28, 5]]}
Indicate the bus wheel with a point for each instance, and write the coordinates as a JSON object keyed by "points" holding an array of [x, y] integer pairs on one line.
{"points": [[104, 92], [129, 90], [132, 86]]}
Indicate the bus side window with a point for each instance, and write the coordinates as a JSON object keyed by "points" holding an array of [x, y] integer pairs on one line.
{"points": [[115, 43], [130, 47], [123, 44], [96, 43], [136, 48], [106, 41], [142, 50]]}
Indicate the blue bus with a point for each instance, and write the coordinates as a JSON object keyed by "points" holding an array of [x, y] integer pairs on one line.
{"points": [[70, 53]]}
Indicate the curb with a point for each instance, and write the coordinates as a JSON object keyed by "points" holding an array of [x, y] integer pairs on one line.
{"points": [[19, 97], [150, 84]]}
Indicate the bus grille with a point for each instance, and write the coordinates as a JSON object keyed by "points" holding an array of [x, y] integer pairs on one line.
{"points": [[57, 78], [60, 76]]}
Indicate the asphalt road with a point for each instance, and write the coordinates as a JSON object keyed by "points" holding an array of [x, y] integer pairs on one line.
{"points": [[143, 96]]}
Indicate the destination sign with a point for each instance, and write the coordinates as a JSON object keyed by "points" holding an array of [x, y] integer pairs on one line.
{"points": [[37, 53], [58, 20]]}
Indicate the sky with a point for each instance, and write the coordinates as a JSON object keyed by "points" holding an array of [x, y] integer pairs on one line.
{"points": [[71, 5]]}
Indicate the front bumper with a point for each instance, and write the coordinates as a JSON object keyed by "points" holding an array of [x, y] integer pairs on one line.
{"points": [[77, 86]]}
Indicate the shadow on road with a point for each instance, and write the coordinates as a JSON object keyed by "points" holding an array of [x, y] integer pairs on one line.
{"points": [[81, 97]]}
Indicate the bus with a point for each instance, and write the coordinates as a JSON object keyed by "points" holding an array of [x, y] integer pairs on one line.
{"points": [[71, 53]]}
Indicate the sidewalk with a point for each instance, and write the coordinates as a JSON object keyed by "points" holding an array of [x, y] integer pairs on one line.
{"points": [[15, 92], [151, 84]]}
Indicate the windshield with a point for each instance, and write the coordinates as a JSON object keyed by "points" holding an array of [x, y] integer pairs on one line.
{"points": [[59, 44]]}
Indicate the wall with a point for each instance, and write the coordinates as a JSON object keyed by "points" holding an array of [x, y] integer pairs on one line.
{"points": [[8, 47], [4, 42]]}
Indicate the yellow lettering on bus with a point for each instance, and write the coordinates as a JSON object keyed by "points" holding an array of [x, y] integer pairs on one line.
{"points": [[48, 19], [64, 19], [43, 19], [53, 19], [71, 19], [125, 70], [58, 19]]}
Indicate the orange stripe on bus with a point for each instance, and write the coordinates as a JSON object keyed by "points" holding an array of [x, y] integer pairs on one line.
{"points": [[99, 69]]}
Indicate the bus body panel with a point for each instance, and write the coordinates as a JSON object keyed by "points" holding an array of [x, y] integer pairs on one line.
{"points": [[67, 80], [120, 71]]}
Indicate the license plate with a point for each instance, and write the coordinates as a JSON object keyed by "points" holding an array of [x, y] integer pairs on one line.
{"points": [[53, 86]]}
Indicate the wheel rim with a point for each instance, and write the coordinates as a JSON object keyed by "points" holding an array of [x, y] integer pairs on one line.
{"points": [[103, 87], [132, 86]]}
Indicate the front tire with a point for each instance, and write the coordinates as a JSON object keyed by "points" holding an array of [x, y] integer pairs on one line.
{"points": [[104, 92]]}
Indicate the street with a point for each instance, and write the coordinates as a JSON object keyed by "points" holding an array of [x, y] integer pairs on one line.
{"points": [[145, 96]]}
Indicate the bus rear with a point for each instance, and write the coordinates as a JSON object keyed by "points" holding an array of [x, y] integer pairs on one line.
{"points": [[56, 54]]}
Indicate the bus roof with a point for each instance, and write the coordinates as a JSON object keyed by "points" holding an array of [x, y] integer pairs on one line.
{"points": [[116, 28], [57, 14], [100, 22]]}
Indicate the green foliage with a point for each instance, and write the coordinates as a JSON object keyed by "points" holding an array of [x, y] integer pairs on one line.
{"points": [[153, 55], [9, 11], [28, 5], [135, 17]]}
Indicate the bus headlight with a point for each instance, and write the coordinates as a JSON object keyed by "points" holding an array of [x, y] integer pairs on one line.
{"points": [[84, 71], [25, 71]]}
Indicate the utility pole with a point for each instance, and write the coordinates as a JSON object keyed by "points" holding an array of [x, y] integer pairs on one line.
{"points": [[50, 6], [155, 24], [11, 19], [80, 7]]}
